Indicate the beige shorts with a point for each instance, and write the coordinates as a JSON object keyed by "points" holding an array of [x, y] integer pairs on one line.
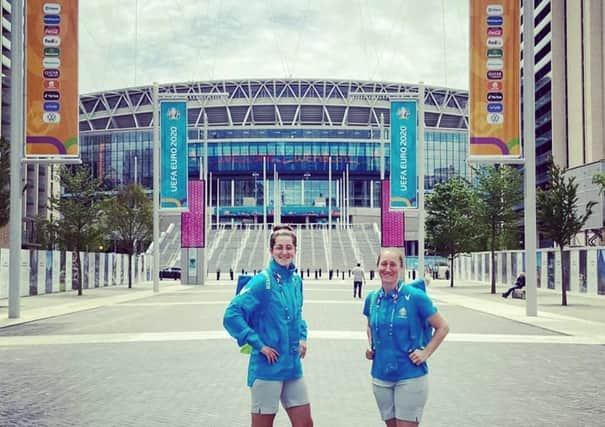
{"points": [[266, 395], [403, 399]]}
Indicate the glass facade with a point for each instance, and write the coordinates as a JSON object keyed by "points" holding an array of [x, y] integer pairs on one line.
{"points": [[300, 157]]}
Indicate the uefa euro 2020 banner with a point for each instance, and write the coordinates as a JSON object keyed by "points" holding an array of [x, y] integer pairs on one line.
{"points": [[403, 154], [494, 108], [173, 158], [51, 79]]}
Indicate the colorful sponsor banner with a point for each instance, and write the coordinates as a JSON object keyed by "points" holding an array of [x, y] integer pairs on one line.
{"points": [[51, 62], [173, 158], [403, 154], [494, 104], [392, 224], [192, 222]]}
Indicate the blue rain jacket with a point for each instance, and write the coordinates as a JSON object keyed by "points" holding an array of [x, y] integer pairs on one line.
{"points": [[391, 318], [273, 317]]}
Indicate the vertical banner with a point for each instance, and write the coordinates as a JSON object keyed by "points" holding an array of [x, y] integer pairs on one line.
{"points": [[392, 223], [403, 154], [494, 98], [173, 155], [51, 61], [192, 223]]}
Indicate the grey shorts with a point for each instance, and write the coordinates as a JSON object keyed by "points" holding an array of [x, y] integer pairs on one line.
{"points": [[266, 395], [403, 399]]}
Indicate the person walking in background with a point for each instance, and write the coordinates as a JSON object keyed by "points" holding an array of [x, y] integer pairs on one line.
{"points": [[396, 315], [359, 279], [267, 316], [519, 284]]}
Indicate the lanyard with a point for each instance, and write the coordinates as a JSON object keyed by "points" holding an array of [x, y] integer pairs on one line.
{"points": [[395, 298]]}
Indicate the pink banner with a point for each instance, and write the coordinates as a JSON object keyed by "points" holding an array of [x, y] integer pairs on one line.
{"points": [[192, 222], [392, 225]]}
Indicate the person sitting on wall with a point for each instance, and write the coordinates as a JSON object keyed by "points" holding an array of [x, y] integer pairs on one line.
{"points": [[519, 283]]}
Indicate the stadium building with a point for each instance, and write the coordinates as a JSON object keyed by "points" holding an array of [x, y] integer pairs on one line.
{"points": [[296, 126]]}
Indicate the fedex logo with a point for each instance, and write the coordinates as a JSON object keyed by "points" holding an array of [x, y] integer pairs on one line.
{"points": [[495, 42], [51, 41]]}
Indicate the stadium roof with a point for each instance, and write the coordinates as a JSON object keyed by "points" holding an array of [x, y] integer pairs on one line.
{"points": [[277, 102]]}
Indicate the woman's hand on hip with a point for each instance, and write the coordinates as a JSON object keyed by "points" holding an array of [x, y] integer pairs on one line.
{"points": [[302, 349], [270, 354], [418, 356]]}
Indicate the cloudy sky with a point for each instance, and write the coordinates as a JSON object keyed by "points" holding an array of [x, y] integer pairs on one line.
{"points": [[127, 43]]}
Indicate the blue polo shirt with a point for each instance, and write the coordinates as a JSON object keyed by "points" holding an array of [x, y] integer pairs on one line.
{"points": [[390, 325], [273, 317]]}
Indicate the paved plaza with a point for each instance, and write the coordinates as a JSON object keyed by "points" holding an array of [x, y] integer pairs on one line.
{"points": [[127, 357]]}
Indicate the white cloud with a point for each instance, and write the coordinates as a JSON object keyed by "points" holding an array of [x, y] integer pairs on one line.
{"points": [[184, 40]]}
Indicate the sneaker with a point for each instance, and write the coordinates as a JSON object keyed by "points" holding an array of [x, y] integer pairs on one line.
{"points": [[504, 295]]}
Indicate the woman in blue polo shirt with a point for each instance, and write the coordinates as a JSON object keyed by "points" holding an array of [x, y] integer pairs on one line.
{"points": [[267, 315], [396, 313]]}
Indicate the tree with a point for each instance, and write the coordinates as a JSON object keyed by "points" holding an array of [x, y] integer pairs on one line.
{"points": [[499, 189], [4, 181], [129, 218], [600, 180], [78, 226], [556, 211], [450, 224]]}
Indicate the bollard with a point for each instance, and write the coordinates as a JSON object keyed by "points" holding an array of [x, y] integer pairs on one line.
{"points": [[231, 273], [413, 274], [218, 274], [349, 273], [320, 272], [371, 274], [343, 275], [330, 274], [315, 274], [308, 273]]}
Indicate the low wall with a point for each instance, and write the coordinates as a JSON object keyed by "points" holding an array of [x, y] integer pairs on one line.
{"points": [[44, 272], [585, 268]]}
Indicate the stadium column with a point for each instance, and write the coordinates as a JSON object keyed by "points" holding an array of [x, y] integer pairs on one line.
{"points": [[156, 189], [16, 148], [531, 307], [420, 162]]}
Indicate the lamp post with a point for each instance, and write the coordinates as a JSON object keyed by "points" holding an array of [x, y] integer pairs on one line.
{"points": [[255, 175]]}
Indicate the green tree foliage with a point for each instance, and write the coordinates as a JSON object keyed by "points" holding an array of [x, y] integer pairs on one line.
{"points": [[450, 225], [600, 180], [557, 214], [4, 181], [499, 190], [78, 227], [129, 218]]}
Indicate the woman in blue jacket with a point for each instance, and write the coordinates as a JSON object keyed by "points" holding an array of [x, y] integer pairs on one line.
{"points": [[267, 316], [397, 315]]}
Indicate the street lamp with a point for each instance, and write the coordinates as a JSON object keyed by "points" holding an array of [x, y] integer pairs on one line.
{"points": [[255, 175]]}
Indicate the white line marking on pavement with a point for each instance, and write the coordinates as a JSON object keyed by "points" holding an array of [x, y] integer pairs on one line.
{"points": [[225, 302], [14, 341]]}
